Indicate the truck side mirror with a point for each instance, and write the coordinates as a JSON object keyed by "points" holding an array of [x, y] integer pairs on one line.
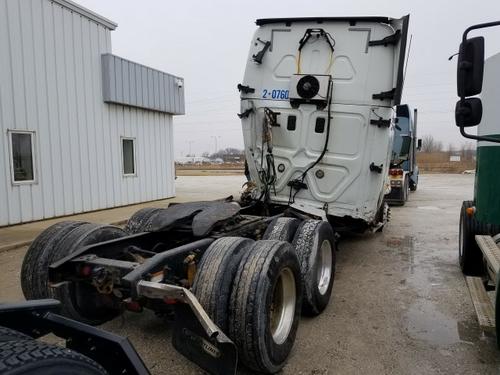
{"points": [[419, 144], [470, 67], [468, 112]]}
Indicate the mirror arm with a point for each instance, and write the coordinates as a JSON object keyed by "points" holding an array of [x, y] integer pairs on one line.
{"points": [[479, 26], [478, 137]]}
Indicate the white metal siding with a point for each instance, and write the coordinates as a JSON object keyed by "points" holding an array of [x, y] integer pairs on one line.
{"points": [[51, 83]]}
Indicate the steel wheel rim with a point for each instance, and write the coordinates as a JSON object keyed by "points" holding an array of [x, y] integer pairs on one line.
{"points": [[325, 267], [283, 306]]}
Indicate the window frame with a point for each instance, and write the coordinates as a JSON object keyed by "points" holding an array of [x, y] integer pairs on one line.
{"points": [[32, 133], [133, 139]]}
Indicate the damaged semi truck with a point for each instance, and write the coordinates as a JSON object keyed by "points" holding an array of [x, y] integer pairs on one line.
{"points": [[317, 110]]}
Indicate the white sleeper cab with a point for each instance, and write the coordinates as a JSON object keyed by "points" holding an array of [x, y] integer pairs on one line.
{"points": [[317, 110]]}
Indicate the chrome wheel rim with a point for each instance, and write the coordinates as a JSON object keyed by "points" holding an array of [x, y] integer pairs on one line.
{"points": [[325, 267], [282, 311]]}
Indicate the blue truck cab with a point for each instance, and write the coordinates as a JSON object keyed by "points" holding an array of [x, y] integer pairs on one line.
{"points": [[403, 171]]}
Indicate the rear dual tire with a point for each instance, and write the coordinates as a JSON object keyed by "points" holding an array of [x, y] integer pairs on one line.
{"points": [[264, 308], [36, 262], [314, 243], [79, 300], [141, 220], [281, 229], [251, 290], [214, 280]]}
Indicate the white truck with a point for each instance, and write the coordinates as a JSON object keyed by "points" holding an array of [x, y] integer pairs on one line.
{"points": [[317, 110]]}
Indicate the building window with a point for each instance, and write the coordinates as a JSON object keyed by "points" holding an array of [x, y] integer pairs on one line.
{"points": [[22, 156], [128, 153]]}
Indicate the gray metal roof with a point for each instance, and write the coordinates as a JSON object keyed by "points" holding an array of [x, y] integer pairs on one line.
{"points": [[77, 8], [128, 83]]}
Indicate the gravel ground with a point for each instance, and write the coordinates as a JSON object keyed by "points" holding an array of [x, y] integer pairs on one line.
{"points": [[399, 305]]}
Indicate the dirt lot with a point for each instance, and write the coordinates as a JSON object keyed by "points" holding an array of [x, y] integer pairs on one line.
{"points": [[399, 306], [439, 162]]}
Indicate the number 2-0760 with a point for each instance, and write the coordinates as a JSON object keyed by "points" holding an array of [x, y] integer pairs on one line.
{"points": [[275, 94]]}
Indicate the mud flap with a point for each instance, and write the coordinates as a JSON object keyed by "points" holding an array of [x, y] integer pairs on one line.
{"points": [[195, 335], [216, 354]]}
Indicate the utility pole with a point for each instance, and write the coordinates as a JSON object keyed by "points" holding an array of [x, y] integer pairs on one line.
{"points": [[215, 137], [190, 143], [215, 142]]}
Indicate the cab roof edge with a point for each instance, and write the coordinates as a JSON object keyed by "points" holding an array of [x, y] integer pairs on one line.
{"points": [[266, 21]]}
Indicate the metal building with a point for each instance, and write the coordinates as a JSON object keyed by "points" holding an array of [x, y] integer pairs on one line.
{"points": [[81, 129]]}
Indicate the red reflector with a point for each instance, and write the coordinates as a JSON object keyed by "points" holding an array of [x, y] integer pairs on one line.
{"points": [[86, 270], [170, 301]]}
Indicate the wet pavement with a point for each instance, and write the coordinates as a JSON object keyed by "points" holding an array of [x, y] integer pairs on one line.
{"points": [[399, 305]]}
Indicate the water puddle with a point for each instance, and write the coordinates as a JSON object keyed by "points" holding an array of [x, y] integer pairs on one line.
{"points": [[427, 275], [405, 245], [428, 324]]}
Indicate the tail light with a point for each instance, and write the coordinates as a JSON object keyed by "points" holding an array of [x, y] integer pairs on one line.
{"points": [[395, 172]]}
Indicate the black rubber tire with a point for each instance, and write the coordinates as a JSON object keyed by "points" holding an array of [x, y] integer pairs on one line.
{"points": [[251, 303], [406, 189], [214, 279], [139, 221], [79, 300], [31, 357], [469, 255], [413, 186], [281, 229], [34, 270], [307, 243], [7, 334]]}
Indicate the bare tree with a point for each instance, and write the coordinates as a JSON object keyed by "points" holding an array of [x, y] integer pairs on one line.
{"points": [[429, 144]]}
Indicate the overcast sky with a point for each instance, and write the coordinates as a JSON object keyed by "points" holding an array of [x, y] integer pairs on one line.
{"points": [[206, 42]]}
